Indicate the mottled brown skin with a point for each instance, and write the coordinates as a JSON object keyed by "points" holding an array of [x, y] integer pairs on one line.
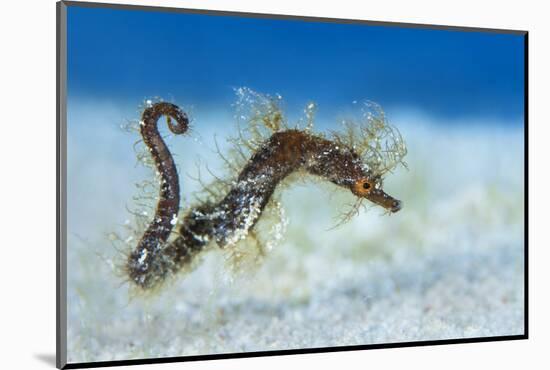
{"points": [[284, 153], [228, 220]]}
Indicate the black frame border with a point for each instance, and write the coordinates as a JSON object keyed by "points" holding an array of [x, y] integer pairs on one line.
{"points": [[61, 166]]}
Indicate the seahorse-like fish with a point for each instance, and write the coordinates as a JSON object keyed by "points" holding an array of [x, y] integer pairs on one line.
{"points": [[353, 160]]}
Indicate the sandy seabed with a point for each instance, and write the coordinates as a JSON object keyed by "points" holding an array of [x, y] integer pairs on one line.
{"points": [[449, 265]]}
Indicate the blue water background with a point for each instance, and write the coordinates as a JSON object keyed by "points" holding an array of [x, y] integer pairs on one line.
{"points": [[124, 56]]}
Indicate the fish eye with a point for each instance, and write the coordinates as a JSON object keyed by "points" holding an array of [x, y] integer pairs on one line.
{"points": [[363, 187]]}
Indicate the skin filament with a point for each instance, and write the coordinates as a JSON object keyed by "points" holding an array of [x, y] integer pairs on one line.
{"points": [[230, 218]]}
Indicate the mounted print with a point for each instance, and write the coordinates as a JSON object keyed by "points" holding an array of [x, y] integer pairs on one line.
{"points": [[234, 184]]}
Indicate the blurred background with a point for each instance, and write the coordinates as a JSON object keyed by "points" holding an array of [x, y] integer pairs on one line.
{"points": [[449, 265]]}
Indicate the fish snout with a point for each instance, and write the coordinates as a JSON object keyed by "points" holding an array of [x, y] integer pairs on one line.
{"points": [[396, 206]]}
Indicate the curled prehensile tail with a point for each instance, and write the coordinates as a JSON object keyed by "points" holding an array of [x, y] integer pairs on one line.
{"points": [[143, 259]]}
